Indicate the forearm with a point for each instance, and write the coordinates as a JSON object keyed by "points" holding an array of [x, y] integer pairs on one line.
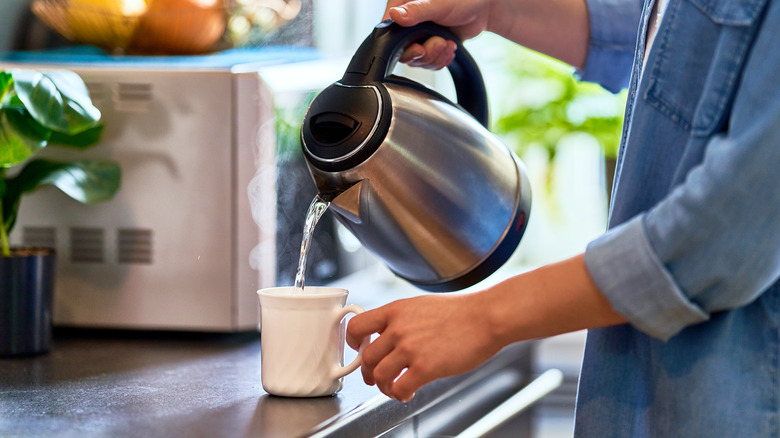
{"points": [[438, 335], [558, 28], [551, 300]]}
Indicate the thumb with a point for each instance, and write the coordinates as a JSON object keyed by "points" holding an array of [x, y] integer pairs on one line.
{"points": [[416, 11]]}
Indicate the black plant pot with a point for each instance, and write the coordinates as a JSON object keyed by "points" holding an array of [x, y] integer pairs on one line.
{"points": [[26, 289]]}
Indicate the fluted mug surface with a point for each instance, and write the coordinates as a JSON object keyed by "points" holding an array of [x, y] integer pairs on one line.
{"points": [[302, 340]]}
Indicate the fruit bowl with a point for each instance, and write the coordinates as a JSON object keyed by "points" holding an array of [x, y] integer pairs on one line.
{"points": [[106, 24], [164, 27]]}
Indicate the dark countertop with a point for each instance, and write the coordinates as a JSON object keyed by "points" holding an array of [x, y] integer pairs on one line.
{"points": [[98, 383], [161, 384]]}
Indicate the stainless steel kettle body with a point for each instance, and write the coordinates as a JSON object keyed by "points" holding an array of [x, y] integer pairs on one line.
{"points": [[419, 180]]}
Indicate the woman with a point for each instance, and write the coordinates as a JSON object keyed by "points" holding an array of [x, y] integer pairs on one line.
{"points": [[681, 294]]}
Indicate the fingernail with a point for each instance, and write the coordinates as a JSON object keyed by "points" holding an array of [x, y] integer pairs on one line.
{"points": [[401, 12], [411, 55]]}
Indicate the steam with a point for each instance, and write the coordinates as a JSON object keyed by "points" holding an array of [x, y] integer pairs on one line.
{"points": [[262, 196], [262, 190], [282, 187], [265, 250]]}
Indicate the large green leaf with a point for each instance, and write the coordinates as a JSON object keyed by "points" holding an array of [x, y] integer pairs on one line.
{"points": [[20, 136], [85, 181], [82, 140], [88, 182], [6, 251], [57, 99], [6, 84], [2, 196]]}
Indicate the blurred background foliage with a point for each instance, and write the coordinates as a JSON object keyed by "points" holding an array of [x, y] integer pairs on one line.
{"points": [[546, 103]]}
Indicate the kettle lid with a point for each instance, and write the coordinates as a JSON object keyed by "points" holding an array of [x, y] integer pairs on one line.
{"points": [[345, 124]]}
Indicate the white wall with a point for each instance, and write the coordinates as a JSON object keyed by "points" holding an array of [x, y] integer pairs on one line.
{"points": [[341, 25]]}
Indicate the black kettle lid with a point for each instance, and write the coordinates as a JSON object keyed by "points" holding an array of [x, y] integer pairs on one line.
{"points": [[344, 125]]}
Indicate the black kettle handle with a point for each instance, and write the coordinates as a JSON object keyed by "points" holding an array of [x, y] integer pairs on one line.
{"points": [[377, 56]]}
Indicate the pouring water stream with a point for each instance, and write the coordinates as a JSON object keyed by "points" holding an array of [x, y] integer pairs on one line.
{"points": [[316, 209]]}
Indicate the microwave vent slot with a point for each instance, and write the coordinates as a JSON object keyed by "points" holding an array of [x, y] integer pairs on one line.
{"points": [[87, 245], [41, 237], [132, 97], [134, 245], [98, 92]]}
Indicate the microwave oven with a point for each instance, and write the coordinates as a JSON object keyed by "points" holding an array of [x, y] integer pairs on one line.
{"points": [[195, 138]]}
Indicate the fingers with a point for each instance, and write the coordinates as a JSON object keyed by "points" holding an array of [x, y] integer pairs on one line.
{"points": [[396, 377], [381, 362], [412, 53], [436, 53], [395, 368], [405, 355], [401, 16], [373, 355], [408, 13], [364, 324], [407, 385], [390, 5], [361, 326]]}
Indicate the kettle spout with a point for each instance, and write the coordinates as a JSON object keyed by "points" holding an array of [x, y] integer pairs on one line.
{"points": [[348, 203]]}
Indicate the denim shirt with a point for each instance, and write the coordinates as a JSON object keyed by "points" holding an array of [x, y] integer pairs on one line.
{"points": [[692, 254]]}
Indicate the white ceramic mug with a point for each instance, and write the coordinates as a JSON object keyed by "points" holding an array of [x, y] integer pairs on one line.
{"points": [[302, 339]]}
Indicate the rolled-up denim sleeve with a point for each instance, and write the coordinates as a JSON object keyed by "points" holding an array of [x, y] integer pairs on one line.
{"points": [[714, 242], [637, 284], [613, 33]]}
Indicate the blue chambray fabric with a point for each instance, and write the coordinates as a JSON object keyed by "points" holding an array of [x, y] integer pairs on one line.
{"points": [[692, 256]]}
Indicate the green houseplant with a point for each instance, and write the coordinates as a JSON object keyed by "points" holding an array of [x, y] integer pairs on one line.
{"points": [[550, 104], [37, 109]]}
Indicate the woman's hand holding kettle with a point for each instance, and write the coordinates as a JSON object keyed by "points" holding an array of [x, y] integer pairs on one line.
{"points": [[558, 28], [466, 19]]}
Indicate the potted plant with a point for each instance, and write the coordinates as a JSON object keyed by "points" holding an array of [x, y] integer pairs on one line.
{"points": [[37, 109]]}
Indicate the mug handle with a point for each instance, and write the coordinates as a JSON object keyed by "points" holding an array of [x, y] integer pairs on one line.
{"points": [[343, 371]]}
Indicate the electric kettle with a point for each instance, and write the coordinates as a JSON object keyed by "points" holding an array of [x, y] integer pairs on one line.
{"points": [[418, 179]]}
